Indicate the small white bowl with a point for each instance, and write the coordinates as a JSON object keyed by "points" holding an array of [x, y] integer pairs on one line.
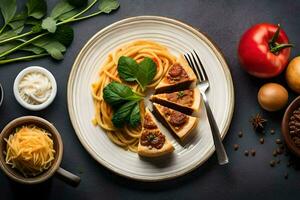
{"points": [[53, 91]]}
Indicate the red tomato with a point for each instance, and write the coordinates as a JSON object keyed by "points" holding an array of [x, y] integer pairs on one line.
{"points": [[264, 50]]}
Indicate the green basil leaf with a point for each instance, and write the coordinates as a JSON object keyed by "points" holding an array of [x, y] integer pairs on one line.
{"points": [[121, 115], [64, 34], [107, 6], [61, 8], [146, 72], [36, 8], [135, 116], [49, 24], [127, 68], [116, 93], [8, 9]]}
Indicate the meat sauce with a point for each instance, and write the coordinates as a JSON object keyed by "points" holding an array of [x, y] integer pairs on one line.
{"points": [[185, 97], [177, 74], [175, 118], [148, 122], [151, 136]]}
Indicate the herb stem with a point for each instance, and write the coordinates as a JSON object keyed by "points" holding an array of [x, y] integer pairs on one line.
{"points": [[16, 37], [22, 45], [87, 16], [73, 17], [3, 28], [22, 58]]}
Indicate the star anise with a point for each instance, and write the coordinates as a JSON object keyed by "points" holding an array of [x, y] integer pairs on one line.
{"points": [[258, 122]]}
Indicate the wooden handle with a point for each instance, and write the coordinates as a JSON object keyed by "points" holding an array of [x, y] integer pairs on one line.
{"points": [[68, 177]]}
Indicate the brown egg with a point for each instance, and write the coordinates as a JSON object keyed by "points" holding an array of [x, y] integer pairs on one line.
{"points": [[272, 97]]}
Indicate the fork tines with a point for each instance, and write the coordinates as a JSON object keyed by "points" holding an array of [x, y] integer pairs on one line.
{"points": [[196, 65]]}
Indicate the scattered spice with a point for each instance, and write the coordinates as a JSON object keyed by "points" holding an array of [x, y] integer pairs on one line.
{"points": [[278, 141], [272, 163], [246, 153], [253, 152], [258, 122], [261, 140], [240, 134], [236, 147], [278, 161], [272, 131], [274, 153], [279, 151]]}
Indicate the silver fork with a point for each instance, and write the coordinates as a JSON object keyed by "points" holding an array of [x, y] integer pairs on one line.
{"points": [[203, 82]]}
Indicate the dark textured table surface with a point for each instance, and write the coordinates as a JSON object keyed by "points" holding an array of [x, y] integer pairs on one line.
{"points": [[244, 178]]}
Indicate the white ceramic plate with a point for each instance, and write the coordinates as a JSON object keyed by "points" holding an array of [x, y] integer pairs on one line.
{"points": [[179, 38]]}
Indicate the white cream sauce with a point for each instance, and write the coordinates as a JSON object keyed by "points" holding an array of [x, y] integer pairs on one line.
{"points": [[35, 88]]}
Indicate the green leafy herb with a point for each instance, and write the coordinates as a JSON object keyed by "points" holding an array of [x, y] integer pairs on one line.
{"points": [[8, 46], [37, 28], [64, 34], [53, 47], [61, 8], [47, 35], [8, 34], [130, 70], [127, 68], [135, 116], [107, 6], [33, 49], [146, 72], [122, 115], [180, 94], [116, 93], [36, 8], [125, 102], [8, 10], [68, 15], [17, 26], [49, 24]]}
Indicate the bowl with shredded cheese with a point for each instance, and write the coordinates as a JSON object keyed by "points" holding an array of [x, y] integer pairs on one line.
{"points": [[31, 151], [35, 88]]}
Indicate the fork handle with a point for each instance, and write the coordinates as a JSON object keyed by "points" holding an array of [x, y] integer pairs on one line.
{"points": [[221, 153]]}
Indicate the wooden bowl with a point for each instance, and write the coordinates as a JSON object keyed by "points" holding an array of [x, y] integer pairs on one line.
{"points": [[14, 174], [285, 126]]}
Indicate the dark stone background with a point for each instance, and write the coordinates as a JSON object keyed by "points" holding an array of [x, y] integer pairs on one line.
{"points": [[244, 178]]}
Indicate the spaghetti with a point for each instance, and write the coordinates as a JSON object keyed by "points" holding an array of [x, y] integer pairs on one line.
{"points": [[127, 137], [30, 150]]}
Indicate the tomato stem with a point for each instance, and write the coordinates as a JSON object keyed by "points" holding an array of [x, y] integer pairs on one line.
{"points": [[279, 47], [274, 46], [273, 40]]}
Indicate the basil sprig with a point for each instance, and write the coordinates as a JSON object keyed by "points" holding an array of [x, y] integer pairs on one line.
{"points": [[143, 73], [125, 103]]}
